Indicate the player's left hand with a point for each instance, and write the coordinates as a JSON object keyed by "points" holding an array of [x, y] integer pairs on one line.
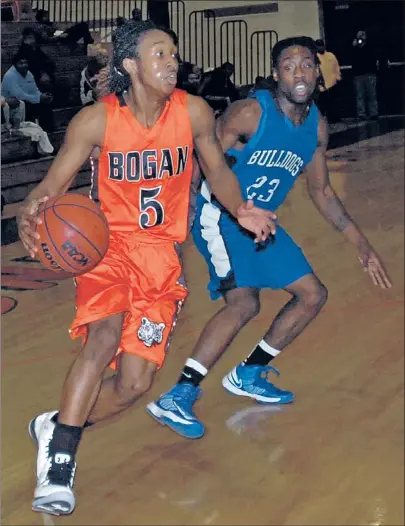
{"points": [[257, 220], [373, 265]]}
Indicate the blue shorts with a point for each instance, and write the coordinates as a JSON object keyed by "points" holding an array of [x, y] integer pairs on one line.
{"points": [[236, 261]]}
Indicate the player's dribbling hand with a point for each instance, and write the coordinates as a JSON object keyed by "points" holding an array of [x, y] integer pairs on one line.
{"points": [[257, 220], [27, 220], [374, 267]]}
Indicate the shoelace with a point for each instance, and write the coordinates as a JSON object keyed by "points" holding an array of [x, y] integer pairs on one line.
{"points": [[61, 474], [187, 394]]}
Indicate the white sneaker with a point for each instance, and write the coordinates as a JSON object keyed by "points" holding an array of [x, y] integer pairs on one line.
{"points": [[55, 474]]}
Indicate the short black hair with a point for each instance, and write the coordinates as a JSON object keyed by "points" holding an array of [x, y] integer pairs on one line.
{"points": [[227, 65], [136, 13], [96, 64], [320, 42], [39, 16], [28, 31], [126, 41], [17, 57], [301, 41]]}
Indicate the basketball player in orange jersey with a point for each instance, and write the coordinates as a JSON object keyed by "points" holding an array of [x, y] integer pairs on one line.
{"points": [[142, 136]]}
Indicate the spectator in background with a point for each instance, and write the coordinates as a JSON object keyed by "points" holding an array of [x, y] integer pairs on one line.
{"points": [[120, 21], [89, 79], [48, 31], [218, 89], [12, 113], [19, 82], [260, 83], [137, 15], [364, 67], [194, 78], [330, 76], [189, 77], [39, 64], [10, 11]]}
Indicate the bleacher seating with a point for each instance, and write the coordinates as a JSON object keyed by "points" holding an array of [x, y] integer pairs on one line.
{"points": [[22, 167]]}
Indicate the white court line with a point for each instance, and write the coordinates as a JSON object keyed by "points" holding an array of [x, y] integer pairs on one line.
{"points": [[276, 454], [210, 518]]}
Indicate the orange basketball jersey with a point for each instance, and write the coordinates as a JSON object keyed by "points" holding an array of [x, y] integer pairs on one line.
{"points": [[143, 175]]}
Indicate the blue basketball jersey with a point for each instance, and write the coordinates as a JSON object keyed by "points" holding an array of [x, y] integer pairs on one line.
{"points": [[267, 169], [273, 158]]}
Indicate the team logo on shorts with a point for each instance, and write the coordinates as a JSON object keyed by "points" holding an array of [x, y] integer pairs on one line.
{"points": [[150, 332]]}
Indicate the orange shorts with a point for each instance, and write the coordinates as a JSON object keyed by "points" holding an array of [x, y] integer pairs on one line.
{"points": [[144, 281]]}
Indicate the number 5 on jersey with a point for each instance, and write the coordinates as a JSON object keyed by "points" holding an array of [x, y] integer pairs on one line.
{"points": [[152, 211]]}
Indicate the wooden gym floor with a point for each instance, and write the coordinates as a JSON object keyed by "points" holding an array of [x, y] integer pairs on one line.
{"points": [[333, 457]]}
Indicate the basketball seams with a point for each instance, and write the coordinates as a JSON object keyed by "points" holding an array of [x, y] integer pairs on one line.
{"points": [[78, 231], [51, 217], [100, 215], [52, 241]]}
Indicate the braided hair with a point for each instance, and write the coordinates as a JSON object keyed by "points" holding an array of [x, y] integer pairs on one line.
{"points": [[126, 42]]}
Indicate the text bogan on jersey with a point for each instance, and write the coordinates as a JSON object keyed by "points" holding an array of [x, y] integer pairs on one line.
{"points": [[146, 165]]}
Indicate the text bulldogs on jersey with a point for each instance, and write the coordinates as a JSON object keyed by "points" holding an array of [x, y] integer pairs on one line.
{"points": [[278, 159], [134, 166]]}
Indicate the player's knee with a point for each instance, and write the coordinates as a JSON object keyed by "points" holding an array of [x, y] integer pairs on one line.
{"points": [[103, 341], [251, 307], [316, 297], [130, 389], [246, 307]]}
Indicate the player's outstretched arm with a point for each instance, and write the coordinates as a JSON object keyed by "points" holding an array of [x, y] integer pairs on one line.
{"points": [[332, 209], [222, 180], [85, 131]]}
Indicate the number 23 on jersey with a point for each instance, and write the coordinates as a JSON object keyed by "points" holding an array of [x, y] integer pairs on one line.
{"points": [[261, 191]]}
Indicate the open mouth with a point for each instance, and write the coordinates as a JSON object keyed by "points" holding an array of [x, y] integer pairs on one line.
{"points": [[301, 89]]}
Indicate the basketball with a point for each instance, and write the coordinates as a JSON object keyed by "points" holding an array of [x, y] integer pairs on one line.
{"points": [[74, 234]]}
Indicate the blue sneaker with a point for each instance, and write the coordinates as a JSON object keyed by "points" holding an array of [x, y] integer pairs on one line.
{"points": [[251, 381], [175, 410]]}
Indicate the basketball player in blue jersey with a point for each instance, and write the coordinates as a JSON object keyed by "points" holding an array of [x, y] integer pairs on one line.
{"points": [[269, 140]]}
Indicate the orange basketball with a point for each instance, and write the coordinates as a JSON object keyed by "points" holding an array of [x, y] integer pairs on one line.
{"points": [[74, 234]]}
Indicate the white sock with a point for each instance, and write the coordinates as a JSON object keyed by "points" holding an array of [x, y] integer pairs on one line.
{"points": [[190, 362], [268, 348], [262, 354]]}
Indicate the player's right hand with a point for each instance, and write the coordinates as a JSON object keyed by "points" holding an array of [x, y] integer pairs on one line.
{"points": [[257, 220], [27, 220]]}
